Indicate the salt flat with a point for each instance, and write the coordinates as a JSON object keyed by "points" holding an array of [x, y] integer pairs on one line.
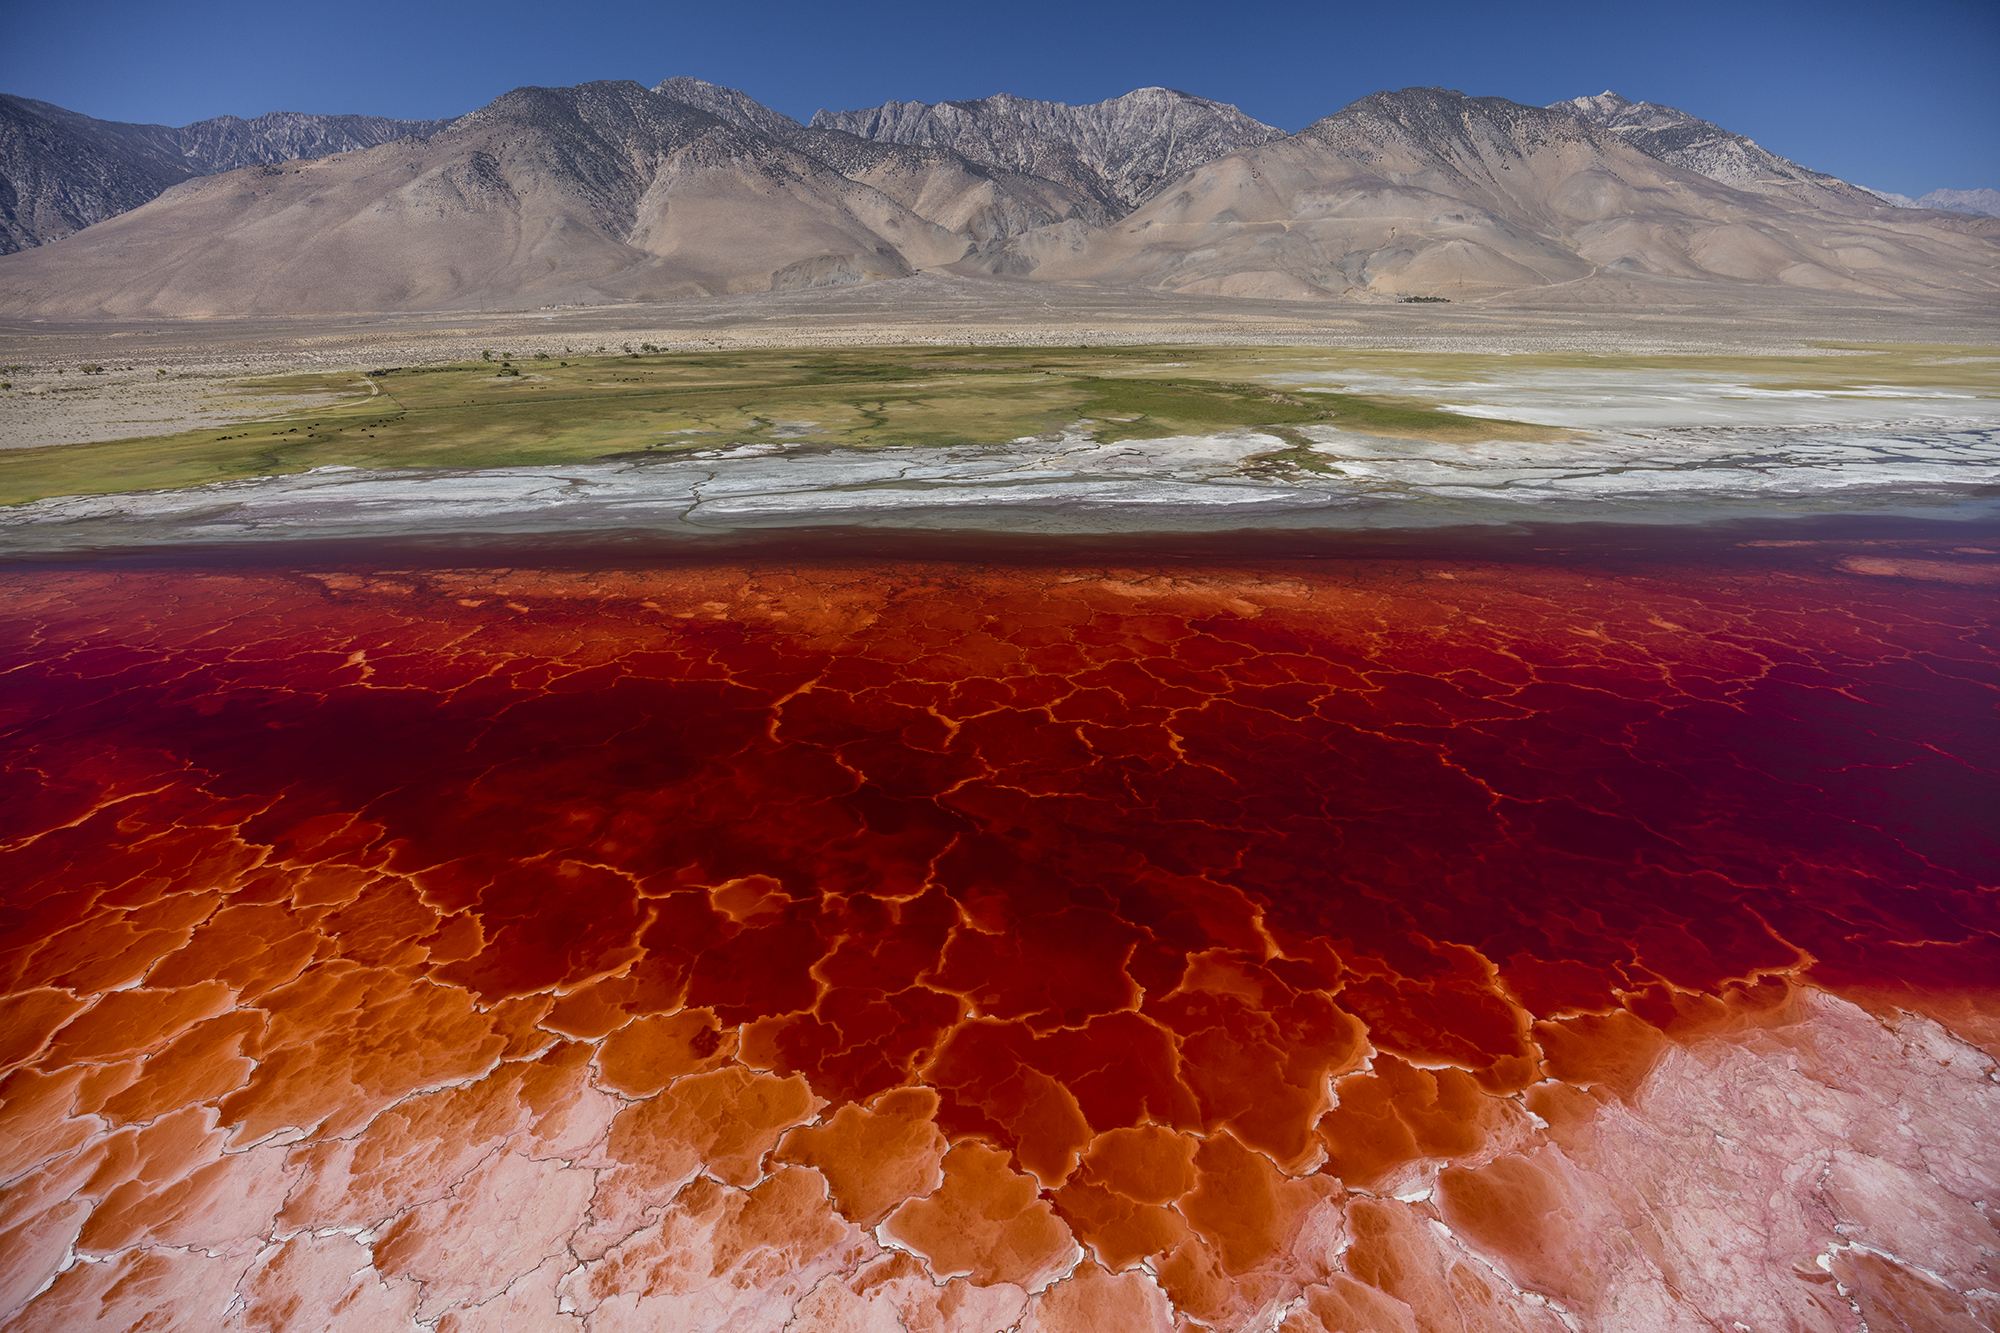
{"points": [[1677, 416], [1624, 397], [1241, 478]]}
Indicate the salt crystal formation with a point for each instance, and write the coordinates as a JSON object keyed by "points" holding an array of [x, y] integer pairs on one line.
{"points": [[1324, 945]]}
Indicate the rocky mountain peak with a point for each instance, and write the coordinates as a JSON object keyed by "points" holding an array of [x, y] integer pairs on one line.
{"points": [[736, 107], [1683, 140], [1120, 151], [1604, 106], [1441, 125]]}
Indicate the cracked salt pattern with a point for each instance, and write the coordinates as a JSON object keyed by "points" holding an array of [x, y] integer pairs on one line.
{"points": [[1077, 483], [859, 944]]}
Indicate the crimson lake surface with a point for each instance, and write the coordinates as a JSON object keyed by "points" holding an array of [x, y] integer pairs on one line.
{"points": [[1079, 839]]}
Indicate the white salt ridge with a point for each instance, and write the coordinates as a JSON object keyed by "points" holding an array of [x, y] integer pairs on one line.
{"points": [[1639, 400], [1236, 478], [1664, 466]]}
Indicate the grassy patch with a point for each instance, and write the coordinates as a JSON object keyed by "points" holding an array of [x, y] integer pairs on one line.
{"points": [[573, 409]]}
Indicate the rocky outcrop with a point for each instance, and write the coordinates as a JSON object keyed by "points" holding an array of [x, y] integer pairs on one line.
{"points": [[61, 172], [1120, 151]]}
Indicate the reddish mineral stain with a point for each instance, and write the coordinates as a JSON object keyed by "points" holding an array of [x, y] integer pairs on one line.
{"points": [[960, 945]]}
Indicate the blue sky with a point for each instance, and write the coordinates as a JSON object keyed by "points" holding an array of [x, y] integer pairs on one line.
{"points": [[1901, 97]]}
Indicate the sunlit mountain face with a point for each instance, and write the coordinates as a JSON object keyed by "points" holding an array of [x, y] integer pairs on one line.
{"points": [[1065, 941]]}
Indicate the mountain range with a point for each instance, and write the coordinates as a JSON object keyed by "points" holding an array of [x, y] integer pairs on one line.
{"points": [[61, 171], [613, 191], [1986, 203]]}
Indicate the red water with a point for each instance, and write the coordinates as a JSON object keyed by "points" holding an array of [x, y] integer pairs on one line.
{"points": [[1076, 849]]}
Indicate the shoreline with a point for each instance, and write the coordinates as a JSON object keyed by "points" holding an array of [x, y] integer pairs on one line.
{"points": [[1970, 540]]}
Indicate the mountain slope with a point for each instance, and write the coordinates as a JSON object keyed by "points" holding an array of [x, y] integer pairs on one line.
{"points": [[1118, 151], [982, 202], [1430, 192], [599, 192], [732, 105], [987, 204], [59, 174], [61, 171], [1692, 144]]}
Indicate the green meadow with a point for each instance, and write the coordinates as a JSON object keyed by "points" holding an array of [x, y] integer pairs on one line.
{"points": [[534, 410], [527, 410]]}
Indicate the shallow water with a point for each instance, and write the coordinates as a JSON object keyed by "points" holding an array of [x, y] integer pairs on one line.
{"points": [[1097, 925]]}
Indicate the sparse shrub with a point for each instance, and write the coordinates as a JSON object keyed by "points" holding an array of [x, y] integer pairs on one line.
{"points": [[541, 356], [509, 370], [92, 369], [486, 355]]}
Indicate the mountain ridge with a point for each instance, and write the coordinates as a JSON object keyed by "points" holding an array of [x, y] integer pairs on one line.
{"points": [[1986, 203], [1113, 150], [987, 201], [1681, 139], [602, 191], [1425, 191], [611, 191], [87, 170]]}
